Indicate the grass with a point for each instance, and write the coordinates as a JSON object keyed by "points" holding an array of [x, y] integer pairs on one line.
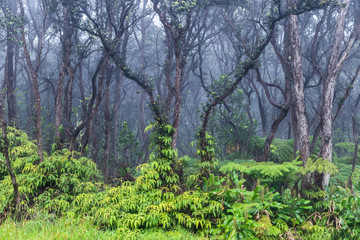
{"points": [[66, 229]]}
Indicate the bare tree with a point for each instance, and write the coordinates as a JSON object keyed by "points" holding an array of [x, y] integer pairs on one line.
{"points": [[34, 73], [10, 9], [66, 70], [336, 61]]}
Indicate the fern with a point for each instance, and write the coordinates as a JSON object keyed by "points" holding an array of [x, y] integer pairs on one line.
{"points": [[272, 173]]}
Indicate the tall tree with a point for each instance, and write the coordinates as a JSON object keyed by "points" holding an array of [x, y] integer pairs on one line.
{"points": [[10, 10], [66, 70], [336, 61], [34, 72], [302, 123]]}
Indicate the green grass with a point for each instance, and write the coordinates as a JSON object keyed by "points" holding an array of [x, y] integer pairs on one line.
{"points": [[63, 228]]}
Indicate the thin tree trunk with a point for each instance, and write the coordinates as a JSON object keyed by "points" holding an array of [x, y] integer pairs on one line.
{"points": [[142, 46], [287, 94], [261, 109], [65, 70], [271, 135], [10, 75], [93, 137], [334, 67], [107, 119], [34, 71], [177, 109], [356, 142], [68, 95], [4, 149], [5, 152], [115, 118], [294, 126], [92, 107], [92, 114]]}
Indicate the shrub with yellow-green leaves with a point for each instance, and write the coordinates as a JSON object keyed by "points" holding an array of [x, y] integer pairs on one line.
{"points": [[51, 184], [67, 184], [138, 205]]}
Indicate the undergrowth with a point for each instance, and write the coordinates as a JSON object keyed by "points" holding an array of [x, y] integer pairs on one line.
{"points": [[159, 205]]}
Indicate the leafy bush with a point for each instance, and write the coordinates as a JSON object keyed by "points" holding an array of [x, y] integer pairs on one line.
{"points": [[51, 184]]}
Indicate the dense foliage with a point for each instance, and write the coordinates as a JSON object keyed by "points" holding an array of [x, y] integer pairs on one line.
{"points": [[191, 119], [246, 200]]}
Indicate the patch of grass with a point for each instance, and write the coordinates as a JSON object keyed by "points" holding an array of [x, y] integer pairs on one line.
{"points": [[80, 229], [46, 229]]}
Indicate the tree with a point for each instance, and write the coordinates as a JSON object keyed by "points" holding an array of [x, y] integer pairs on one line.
{"points": [[66, 70], [245, 66], [10, 8], [336, 62], [34, 72]]}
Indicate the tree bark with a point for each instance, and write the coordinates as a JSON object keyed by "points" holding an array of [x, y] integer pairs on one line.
{"points": [[10, 74], [177, 109], [115, 119], [294, 125], [334, 68], [34, 72], [300, 109], [108, 128], [65, 70]]}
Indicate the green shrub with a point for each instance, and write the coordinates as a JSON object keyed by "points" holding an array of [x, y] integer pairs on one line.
{"points": [[50, 185]]}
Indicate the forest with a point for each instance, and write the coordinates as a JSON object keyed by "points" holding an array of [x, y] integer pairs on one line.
{"points": [[179, 119]]}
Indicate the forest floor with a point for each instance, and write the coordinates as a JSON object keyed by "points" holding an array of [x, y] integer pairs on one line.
{"points": [[66, 229]]}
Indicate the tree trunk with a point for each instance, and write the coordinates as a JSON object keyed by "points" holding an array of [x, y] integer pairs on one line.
{"points": [[115, 119], [294, 128], [177, 109], [5, 152], [34, 71], [108, 128], [65, 70], [287, 94], [10, 75], [328, 93], [261, 109], [5, 146], [271, 135], [92, 107], [299, 96], [68, 95]]}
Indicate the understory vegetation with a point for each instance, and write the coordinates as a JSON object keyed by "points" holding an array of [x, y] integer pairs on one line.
{"points": [[65, 197]]}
